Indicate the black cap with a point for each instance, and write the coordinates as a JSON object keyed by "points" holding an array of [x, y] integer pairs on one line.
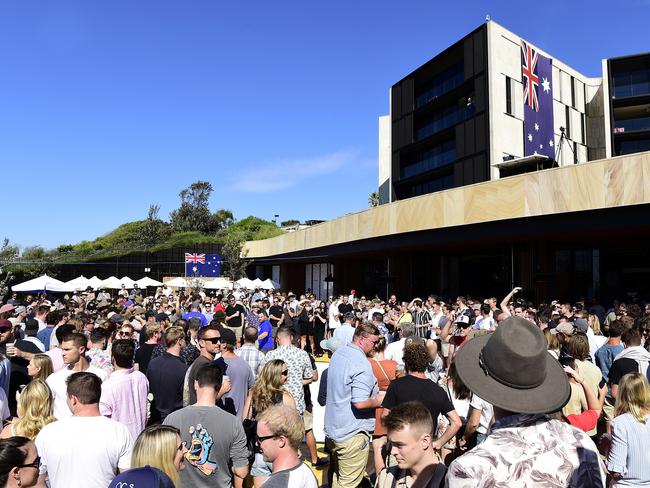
{"points": [[161, 317]]}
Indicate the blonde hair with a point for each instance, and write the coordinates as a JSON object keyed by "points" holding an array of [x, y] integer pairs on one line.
{"points": [[44, 365], [596, 325], [156, 446], [268, 385], [284, 421], [34, 409], [633, 397]]}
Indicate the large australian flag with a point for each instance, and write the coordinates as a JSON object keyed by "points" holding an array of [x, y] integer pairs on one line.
{"points": [[536, 76], [205, 265]]}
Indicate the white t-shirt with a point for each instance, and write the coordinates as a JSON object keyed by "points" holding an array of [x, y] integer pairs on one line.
{"points": [[83, 451], [299, 477], [395, 351], [334, 316], [487, 412], [483, 323], [57, 383]]}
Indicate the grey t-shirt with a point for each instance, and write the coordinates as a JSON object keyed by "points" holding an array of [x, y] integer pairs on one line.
{"points": [[299, 476], [241, 380], [215, 440]]}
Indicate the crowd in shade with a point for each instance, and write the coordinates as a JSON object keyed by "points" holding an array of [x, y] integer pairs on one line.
{"points": [[162, 387]]}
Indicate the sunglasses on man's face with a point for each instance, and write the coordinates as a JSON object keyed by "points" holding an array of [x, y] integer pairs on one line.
{"points": [[35, 464], [213, 340], [260, 439], [125, 333]]}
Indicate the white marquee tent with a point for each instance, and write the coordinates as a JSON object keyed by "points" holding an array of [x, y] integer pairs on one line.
{"points": [[42, 283], [269, 284], [146, 281]]}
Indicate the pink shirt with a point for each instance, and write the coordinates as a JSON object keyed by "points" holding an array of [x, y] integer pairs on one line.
{"points": [[57, 359], [124, 398]]}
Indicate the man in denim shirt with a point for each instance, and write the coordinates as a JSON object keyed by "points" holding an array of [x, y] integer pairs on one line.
{"points": [[352, 397]]}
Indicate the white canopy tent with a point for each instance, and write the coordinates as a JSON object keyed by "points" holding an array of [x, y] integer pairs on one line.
{"points": [[80, 283], [112, 283], [269, 284], [245, 283], [43, 283], [218, 284], [179, 282], [95, 282], [128, 282], [146, 281], [257, 283]]}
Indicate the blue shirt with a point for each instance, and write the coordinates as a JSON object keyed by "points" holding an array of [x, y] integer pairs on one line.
{"points": [[350, 380], [199, 315], [44, 336], [605, 357], [344, 333], [628, 454], [267, 342]]}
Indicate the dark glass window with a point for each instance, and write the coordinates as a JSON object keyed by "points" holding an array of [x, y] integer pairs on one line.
{"points": [[434, 158], [632, 125], [442, 83], [583, 129], [575, 152], [445, 118], [508, 95], [567, 113], [630, 147], [632, 83], [573, 92], [431, 186]]}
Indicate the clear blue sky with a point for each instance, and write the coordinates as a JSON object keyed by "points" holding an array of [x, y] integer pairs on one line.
{"points": [[109, 106]]}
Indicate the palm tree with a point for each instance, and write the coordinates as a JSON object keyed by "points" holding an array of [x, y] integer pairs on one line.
{"points": [[373, 199]]}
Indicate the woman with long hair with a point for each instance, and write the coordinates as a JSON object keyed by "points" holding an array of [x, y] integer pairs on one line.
{"points": [[40, 367], [268, 391], [35, 406], [19, 463], [161, 447], [627, 459]]}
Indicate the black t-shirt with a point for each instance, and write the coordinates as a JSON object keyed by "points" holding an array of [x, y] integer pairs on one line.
{"points": [[143, 356], [235, 321], [409, 389], [19, 374], [277, 311], [345, 308], [620, 368], [166, 375]]}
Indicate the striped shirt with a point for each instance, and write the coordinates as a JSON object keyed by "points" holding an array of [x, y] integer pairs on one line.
{"points": [[252, 355], [628, 454]]}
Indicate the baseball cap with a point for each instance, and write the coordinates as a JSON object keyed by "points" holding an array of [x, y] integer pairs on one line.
{"points": [[7, 307], [582, 325], [20, 309], [566, 328], [331, 344], [5, 324], [462, 320], [146, 477]]}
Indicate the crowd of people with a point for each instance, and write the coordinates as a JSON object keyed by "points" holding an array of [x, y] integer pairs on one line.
{"points": [[165, 388]]}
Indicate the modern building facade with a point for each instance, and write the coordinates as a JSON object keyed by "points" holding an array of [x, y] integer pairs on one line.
{"points": [[460, 118], [497, 167]]}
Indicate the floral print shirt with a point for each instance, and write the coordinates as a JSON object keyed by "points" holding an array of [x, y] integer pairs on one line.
{"points": [[530, 451]]}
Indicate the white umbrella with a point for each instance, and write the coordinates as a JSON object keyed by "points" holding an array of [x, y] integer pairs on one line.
{"points": [[44, 282], [112, 283], [128, 282], [146, 281], [257, 283], [179, 282], [244, 283], [269, 284], [80, 283], [217, 284], [95, 282]]}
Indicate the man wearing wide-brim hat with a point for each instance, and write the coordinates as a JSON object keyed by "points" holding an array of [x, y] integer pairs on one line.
{"points": [[512, 370]]}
